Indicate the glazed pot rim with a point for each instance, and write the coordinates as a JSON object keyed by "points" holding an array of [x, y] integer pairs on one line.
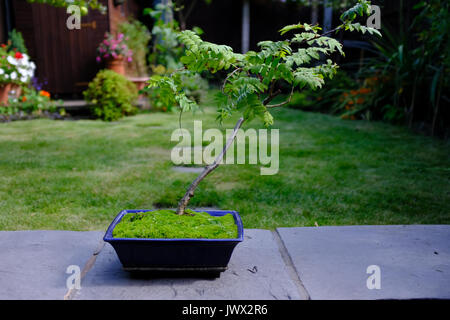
{"points": [[109, 232]]}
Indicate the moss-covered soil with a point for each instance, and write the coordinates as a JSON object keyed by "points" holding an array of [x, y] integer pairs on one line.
{"points": [[165, 224]]}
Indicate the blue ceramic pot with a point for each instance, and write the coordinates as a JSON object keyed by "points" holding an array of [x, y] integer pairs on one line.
{"points": [[209, 255]]}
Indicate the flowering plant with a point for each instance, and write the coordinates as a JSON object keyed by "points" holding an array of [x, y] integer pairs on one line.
{"points": [[31, 102], [114, 47], [15, 67]]}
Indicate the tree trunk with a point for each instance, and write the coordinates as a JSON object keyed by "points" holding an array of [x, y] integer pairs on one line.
{"points": [[245, 26], [208, 169], [327, 16], [168, 14], [314, 12]]}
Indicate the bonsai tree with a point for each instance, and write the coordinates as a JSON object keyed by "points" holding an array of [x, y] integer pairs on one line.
{"points": [[254, 79]]}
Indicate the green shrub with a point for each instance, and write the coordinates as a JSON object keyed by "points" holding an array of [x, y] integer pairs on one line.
{"points": [[111, 96]]}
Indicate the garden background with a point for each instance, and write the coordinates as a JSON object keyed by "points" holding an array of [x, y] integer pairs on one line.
{"points": [[370, 147]]}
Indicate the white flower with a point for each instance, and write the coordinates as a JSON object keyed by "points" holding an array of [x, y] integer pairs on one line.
{"points": [[24, 79], [22, 71], [13, 75], [1, 71], [12, 60]]}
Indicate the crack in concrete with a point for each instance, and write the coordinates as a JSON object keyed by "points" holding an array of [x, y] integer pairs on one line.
{"points": [[175, 292], [70, 294], [292, 271]]}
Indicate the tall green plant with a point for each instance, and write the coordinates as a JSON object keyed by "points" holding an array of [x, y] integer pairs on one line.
{"points": [[391, 76], [254, 78], [411, 67], [433, 52]]}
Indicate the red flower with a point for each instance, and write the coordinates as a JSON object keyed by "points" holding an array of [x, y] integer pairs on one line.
{"points": [[3, 45], [18, 55]]}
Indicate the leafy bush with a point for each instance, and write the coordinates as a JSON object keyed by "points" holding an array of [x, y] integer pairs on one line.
{"points": [[432, 63], [406, 82], [137, 38], [111, 96]]}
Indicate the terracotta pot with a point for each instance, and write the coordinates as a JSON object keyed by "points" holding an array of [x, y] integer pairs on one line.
{"points": [[140, 82], [116, 64], [4, 91]]}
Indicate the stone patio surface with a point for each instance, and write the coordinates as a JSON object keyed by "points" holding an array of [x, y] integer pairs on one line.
{"points": [[289, 263]]}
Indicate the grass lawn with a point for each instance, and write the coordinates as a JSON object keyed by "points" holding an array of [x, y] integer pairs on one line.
{"points": [[77, 175]]}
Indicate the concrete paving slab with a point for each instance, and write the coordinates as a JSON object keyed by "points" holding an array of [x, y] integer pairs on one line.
{"points": [[332, 262], [33, 264], [256, 271], [188, 169]]}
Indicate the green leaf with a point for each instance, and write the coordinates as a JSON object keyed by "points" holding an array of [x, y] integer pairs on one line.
{"points": [[291, 27]]}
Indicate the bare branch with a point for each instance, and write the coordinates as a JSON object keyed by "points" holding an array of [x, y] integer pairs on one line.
{"points": [[208, 169], [228, 77], [271, 96], [282, 103]]}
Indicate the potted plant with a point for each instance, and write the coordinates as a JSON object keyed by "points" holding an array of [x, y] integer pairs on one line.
{"points": [[115, 52], [16, 70], [252, 83]]}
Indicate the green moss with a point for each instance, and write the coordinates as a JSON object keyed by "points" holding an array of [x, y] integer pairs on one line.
{"points": [[165, 224]]}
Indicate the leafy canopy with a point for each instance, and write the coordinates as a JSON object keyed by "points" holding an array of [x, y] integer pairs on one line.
{"points": [[252, 80], [83, 4]]}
